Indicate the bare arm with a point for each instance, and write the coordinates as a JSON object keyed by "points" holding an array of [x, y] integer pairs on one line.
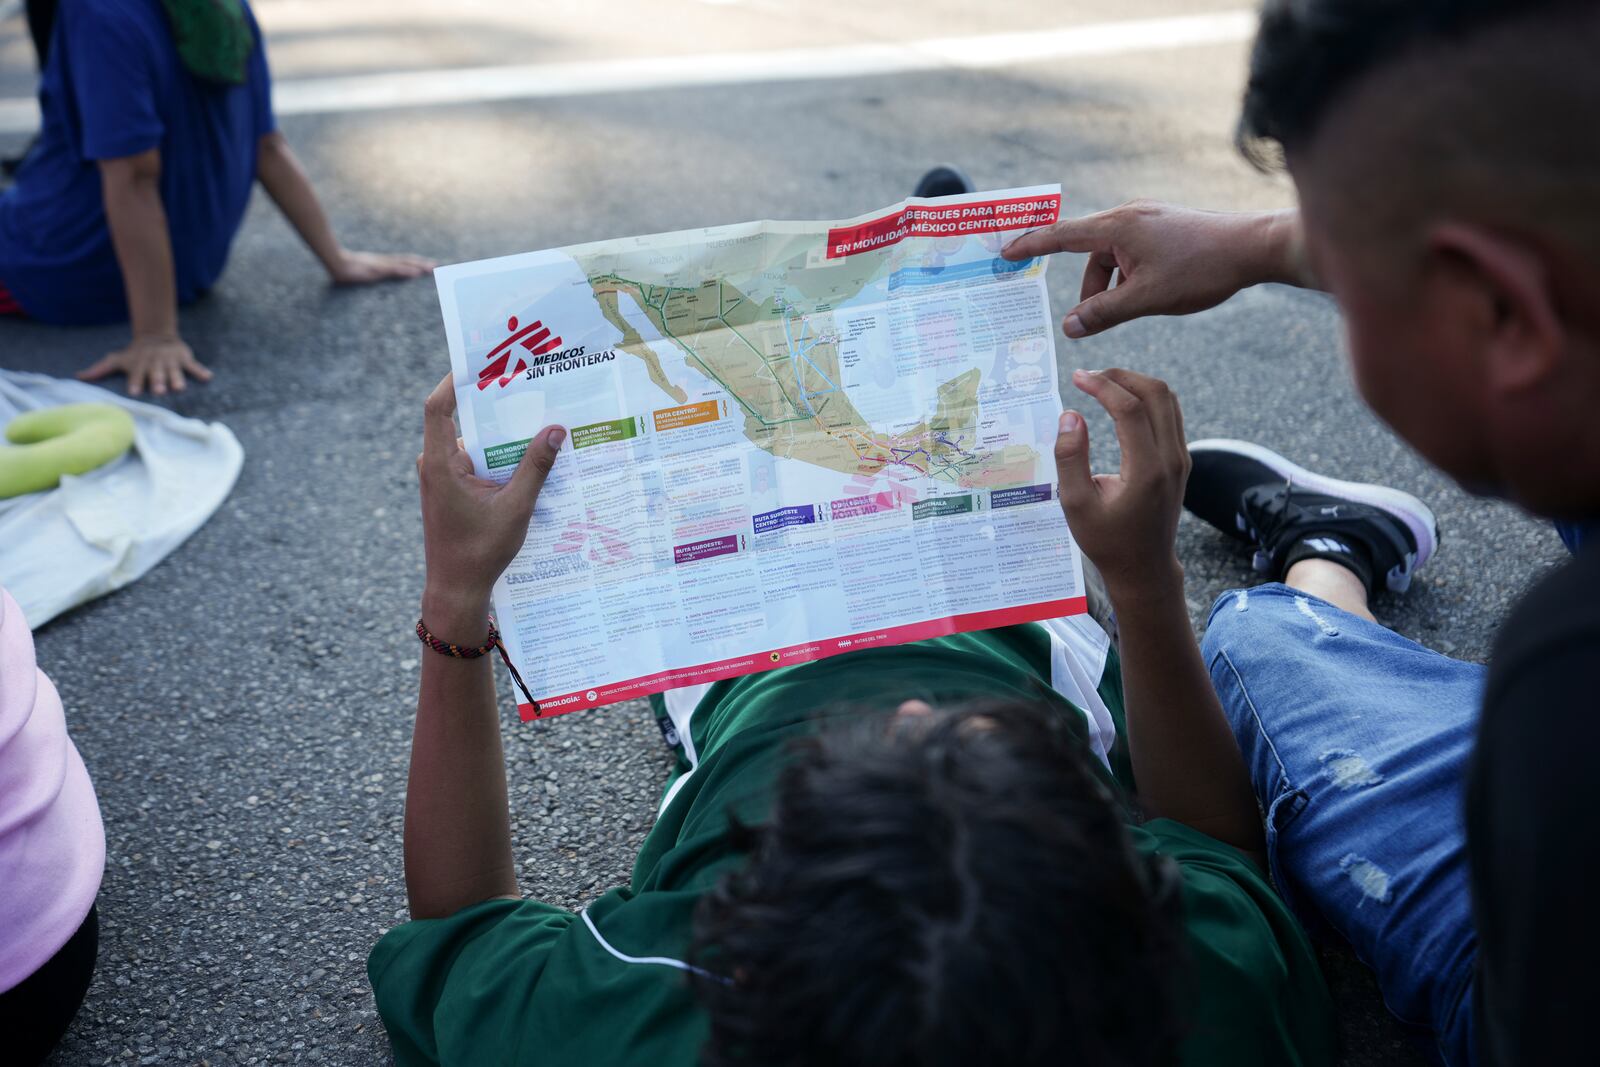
{"points": [[280, 173], [157, 356], [1149, 258], [131, 188], [458, 822], [1184, 755]]}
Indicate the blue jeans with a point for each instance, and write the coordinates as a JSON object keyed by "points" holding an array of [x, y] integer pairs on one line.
{"points": [[1357, 742]]}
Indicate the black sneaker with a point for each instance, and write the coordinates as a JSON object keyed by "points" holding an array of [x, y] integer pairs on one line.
{"points": [[1255, 495], [943, 180]]}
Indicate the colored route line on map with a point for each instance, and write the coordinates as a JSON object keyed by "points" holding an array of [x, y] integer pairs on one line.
{"points": [[903, 456], [646, 292], [789, 314]]}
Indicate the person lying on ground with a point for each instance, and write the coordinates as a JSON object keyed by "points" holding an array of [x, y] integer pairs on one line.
{"points": [[1448, 201], [157, 122], [52, 855], [905, 855]]}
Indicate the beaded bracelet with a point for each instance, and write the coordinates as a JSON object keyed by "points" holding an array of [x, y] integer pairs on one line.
{"points": [[493, 643]]}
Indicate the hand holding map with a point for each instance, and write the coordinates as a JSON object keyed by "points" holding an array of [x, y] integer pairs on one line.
{"points": [[787, 440]]}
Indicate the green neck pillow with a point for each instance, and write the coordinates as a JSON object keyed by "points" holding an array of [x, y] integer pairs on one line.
{"points": [[51, 442]]}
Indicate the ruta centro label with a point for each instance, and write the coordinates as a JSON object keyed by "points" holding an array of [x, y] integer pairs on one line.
{"points": [[687, 415], [955, 220]]}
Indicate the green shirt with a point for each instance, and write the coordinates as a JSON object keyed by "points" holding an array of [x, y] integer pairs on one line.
{"points": [[512, 982]]}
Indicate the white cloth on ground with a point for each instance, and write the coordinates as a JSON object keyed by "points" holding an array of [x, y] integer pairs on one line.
{"points": [[101, 530]]}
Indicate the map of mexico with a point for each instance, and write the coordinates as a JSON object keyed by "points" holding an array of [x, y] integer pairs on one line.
{"points": [[783, 436]]}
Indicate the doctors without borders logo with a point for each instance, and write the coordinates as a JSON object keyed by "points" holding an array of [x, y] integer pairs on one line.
{"points": [[535, 337], [545, 355]]}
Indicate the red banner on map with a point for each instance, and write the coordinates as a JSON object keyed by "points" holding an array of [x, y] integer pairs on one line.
{"points": [[945, 220], [793, 654]]}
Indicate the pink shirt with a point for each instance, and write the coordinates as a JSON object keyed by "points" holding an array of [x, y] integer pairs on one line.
{"points": [[52, 846]]}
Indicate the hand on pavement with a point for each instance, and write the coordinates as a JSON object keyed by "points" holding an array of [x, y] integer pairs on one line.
{"points": [[471, 528], [157, 362], [1127, 522], [1149, 258], [364, 268]]}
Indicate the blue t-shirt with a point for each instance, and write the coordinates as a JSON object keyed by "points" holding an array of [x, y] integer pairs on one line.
{"points": [[114, 86]]}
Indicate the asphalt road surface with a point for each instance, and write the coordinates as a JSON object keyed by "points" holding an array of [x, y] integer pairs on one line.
{"points": [[245, 708]]}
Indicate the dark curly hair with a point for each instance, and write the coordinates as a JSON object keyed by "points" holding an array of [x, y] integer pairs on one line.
{"points": [[956, 888]]}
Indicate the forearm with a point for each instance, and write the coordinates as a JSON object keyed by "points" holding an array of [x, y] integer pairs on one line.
{"points": [[457, 822], [143, 246], [1184, 755], [285, 180]]}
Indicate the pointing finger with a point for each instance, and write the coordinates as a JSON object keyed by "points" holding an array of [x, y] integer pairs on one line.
{"points": [[1090, 233]]}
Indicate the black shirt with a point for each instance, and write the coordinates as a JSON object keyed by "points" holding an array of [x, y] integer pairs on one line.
{"points": [[1532, 839]]}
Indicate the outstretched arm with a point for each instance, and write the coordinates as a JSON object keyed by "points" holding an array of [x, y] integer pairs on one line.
{"points": [[280, 173], [458, 822], [1148, 258], [1184, 755]]}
